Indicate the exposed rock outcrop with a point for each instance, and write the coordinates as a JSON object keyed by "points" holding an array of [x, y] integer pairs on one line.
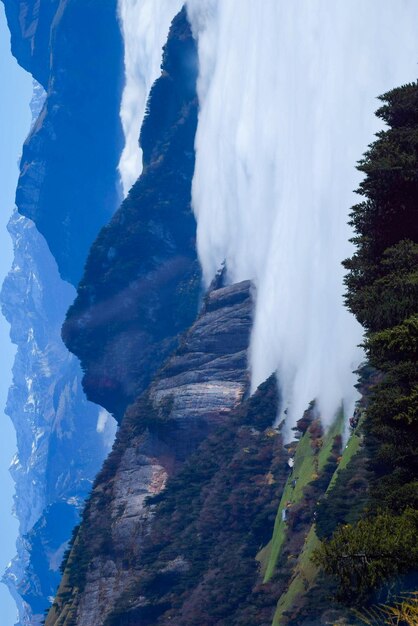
{"points": [[193, 394], [207, 375]]}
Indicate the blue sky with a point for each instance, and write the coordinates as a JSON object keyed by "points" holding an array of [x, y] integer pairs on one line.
{"points": [[14, 124]]}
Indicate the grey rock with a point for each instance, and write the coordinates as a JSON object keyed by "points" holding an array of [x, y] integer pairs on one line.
{"points": [[193, 393], [208, 374]]}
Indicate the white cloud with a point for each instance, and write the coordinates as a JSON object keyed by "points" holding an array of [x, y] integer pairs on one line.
{"points": [[145, 25], [287, 93], [106, 426]]}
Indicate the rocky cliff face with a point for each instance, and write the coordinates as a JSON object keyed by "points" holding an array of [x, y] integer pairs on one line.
{"points": [[142, 280], [199, 515], [208, 373], [192, 395]]}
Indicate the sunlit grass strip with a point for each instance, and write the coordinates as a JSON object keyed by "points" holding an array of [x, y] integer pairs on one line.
{"points": [[304, 469], [304, 575], [308, 464], [306, 571]]}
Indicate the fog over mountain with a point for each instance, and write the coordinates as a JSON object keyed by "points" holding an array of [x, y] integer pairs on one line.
{"points": [[144, 27], [214, 389], [287, 93]]}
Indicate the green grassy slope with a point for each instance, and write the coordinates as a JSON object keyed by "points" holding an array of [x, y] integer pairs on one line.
{"points": [[308, 462], [305, 572]]}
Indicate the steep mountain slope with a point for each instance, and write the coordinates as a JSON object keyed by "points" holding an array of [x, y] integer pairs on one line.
{"points": [[142, 280], [192, 540], [68, 183], [192, 394], [30, 28], [59, 447], [200, 516], [62, 439], [382, 292], [212, 538], [198, 562]]}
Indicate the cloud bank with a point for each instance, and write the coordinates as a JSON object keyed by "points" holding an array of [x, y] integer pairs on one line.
{"points": [[145, 25], [287, 94]]}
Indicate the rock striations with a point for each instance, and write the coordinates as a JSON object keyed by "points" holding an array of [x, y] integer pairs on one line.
{"points": [[206, 375], [30, 24]]}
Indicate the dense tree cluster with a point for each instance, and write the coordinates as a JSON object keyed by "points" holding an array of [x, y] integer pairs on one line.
{"points": [[382, 291], [364, 555], [198, 564]]}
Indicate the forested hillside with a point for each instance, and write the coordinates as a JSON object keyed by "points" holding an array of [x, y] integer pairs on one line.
{"points": [[368, 557], [247, 531]]}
